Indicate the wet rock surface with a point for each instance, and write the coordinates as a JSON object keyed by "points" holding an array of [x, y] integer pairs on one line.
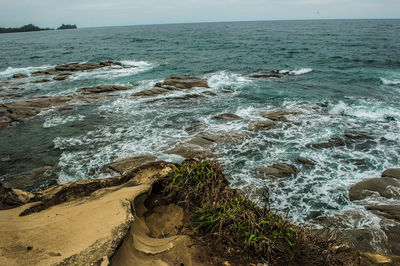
{"points": [[103, 88], [226, 117], [20, 75], [278, 171], [262, 125], [392, 172], [382, 186], [279, 115], [305, 161], [334, 142], [30, 181], [127, 165], [73, 67], [380, 197], [272, 74], [172, 84]]}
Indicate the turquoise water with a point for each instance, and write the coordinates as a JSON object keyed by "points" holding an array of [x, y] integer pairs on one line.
{"points": [[345, 79]]}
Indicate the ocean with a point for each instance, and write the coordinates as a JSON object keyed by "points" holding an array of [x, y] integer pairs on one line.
{"points": [[343, 79]]}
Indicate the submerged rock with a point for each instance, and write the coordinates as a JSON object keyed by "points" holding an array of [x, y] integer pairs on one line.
{"points": [[333, 142], [176, 98], [226, 117], [278, 170], [262, 125]]}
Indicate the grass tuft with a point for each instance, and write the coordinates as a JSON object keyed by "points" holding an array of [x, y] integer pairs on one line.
{"points": [[239, 223]]}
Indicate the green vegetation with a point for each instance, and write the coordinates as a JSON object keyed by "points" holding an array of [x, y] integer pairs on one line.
{"points": [[241, 225], [66, 27], [29, 27]]}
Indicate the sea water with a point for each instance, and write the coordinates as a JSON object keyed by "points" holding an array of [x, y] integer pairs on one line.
{"points": [[344, 78]]}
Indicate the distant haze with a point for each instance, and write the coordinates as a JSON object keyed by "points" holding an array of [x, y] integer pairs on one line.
{"points": [[91, 13]]}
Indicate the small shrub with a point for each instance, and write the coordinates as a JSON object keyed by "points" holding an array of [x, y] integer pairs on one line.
{"points": [[202, 189]]}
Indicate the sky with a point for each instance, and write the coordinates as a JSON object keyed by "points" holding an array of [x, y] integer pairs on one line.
{"points": [[94, 13]]}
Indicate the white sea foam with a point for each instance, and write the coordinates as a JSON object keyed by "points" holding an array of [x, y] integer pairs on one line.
{"points": [[296, 72], [131, 68], [26, 70], [227, 80], [56, 120], [366, 110], [390, 82]]}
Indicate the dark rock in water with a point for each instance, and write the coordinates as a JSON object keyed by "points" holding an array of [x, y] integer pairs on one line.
{"points": [[357, 161], [62, 76], [262, 125], [177, 98], [73, 67], [103, 88], [209, 93], [77, 67], [278, 170], [21, 111], [185, 82], [110, 63], [381, 186], [387, 211], [10, 96], [151, 92], [20, 75], [195, 127], [125, 166], [11, 198], [41, 81], [274, 74], [227, 117], [33, 179], [189, 151], [333, 142], [356, 137], [305, 161], [279, 115], [392, 172], [45, 72], [171, 84], [203, 141]]}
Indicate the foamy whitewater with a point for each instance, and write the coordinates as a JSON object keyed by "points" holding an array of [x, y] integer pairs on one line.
{"points": [[339, 85]]}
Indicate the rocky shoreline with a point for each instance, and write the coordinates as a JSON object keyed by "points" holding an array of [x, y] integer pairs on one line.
{"points": [[128, 180], [94, 217]]}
